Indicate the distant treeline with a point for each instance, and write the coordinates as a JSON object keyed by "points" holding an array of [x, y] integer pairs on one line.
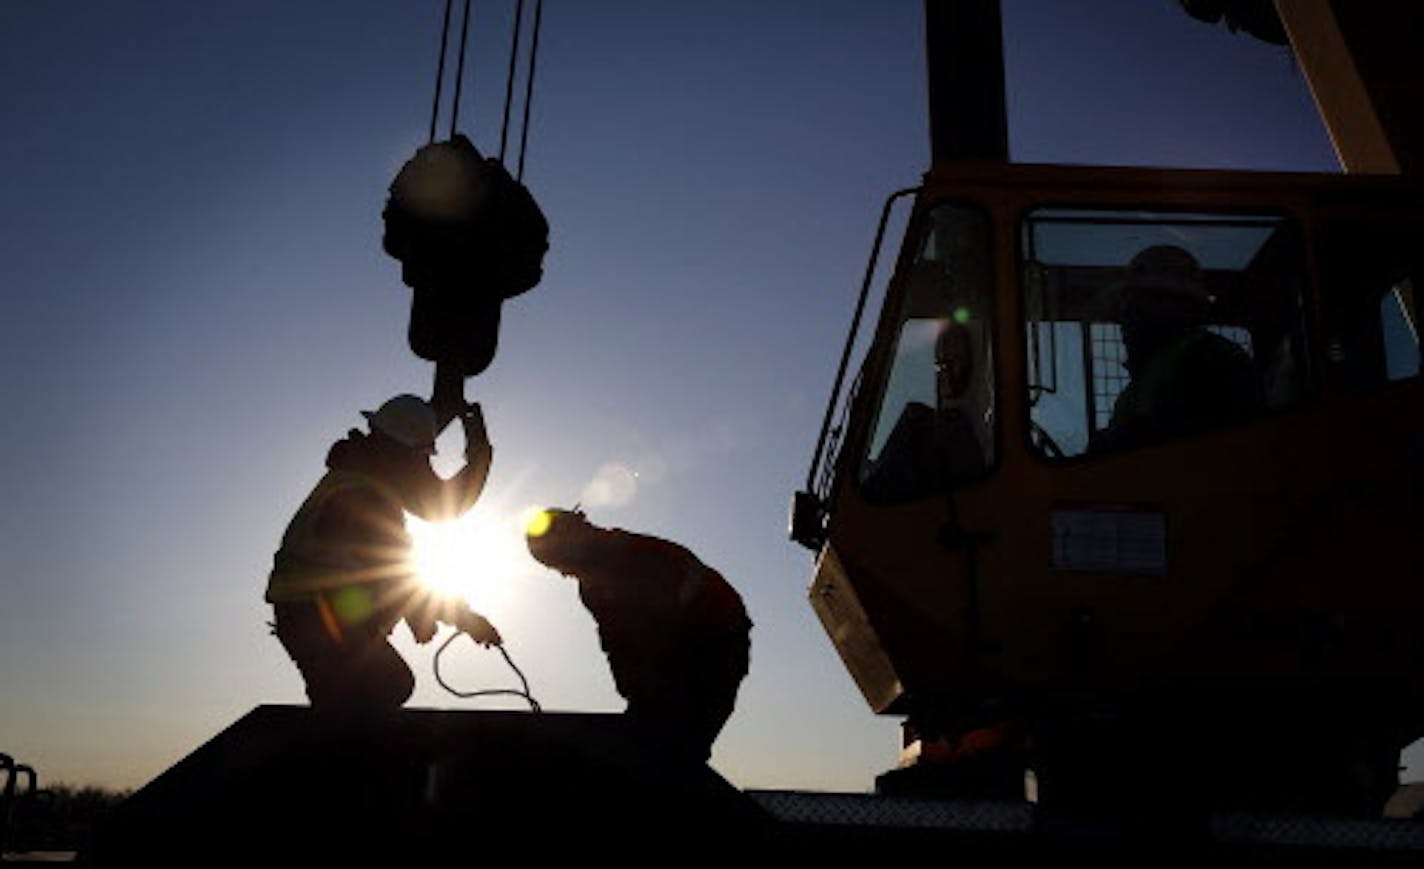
{"points": [[59, 817]]}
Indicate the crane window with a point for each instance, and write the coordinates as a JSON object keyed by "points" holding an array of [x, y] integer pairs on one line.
{"points": [[1143, 327], [1398, 332], [1371, 277], [934, 424]]}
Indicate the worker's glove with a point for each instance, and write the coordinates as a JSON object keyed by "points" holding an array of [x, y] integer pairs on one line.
{"points": [[422, 626], [480, 629]]}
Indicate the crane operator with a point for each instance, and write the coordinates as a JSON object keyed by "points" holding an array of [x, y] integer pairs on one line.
{"points": [[1185, 378]]}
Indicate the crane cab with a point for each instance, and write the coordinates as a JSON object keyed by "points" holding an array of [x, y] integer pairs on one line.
{"points": [[1136, 457]]}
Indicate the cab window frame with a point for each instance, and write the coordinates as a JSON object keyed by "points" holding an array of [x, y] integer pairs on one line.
{"points": [[890, 333], [1307, 315]]}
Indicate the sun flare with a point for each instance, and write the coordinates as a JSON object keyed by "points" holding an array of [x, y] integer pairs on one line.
{"points": [[475, 557]]}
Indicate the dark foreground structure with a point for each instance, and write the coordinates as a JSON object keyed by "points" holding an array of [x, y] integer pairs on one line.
{"points": [[284, 786]]}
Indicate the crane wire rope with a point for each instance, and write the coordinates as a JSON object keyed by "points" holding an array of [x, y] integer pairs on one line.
{"points": [[488, 692], [509, 79], [460, 69], [503, 141], [440, 70], [529, 86]]}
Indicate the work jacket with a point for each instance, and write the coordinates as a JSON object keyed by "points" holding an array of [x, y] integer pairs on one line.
{"points": [[1198, 380], [349, 534], [675, 632]]}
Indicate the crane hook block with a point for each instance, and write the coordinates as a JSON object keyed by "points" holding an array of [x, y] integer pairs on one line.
{"points": [[468, 236]]}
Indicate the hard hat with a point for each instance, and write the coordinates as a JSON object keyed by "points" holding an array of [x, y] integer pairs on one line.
{"points": [[1167, 268], [1162, 280], [554, 536], [407, 420], [541, 522]]}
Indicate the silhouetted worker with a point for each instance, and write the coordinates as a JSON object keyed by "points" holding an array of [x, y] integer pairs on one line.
{"points": [[1184, 377], [677, 636], [931, 448], [343, 577]]}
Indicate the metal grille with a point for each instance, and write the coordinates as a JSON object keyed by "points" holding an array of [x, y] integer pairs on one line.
{"points": [[1228, 829], [887, 811], [1109, 372], [1390, 835]]}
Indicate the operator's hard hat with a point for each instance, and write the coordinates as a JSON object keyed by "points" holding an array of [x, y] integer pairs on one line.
{"points": [[406, 419], [1167, 268]]}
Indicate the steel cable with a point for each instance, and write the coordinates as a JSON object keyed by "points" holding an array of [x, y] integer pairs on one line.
{"points": [[529, 86], [509, 79]]}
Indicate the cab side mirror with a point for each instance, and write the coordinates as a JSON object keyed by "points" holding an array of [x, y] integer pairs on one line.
{"points": [[808, 521]]}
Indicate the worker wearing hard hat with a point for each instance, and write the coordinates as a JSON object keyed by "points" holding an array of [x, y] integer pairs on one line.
{"points": [[343, 577], [1184, 377], [677, 636]]}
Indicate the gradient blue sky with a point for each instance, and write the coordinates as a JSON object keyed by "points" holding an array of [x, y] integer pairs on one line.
{"points": [[197, 305]]}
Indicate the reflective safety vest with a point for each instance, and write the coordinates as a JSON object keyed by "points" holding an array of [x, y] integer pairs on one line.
{"points": [[311, 564], [1199, 380]]}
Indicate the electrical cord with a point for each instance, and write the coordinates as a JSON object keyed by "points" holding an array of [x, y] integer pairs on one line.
{"points": [[488, 692]]}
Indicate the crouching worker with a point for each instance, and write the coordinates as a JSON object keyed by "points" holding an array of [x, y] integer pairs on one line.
{"points": [[677, 636], [343, 577]]}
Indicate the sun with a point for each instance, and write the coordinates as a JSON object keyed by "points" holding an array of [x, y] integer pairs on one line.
{"points": [[476, 556]]}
